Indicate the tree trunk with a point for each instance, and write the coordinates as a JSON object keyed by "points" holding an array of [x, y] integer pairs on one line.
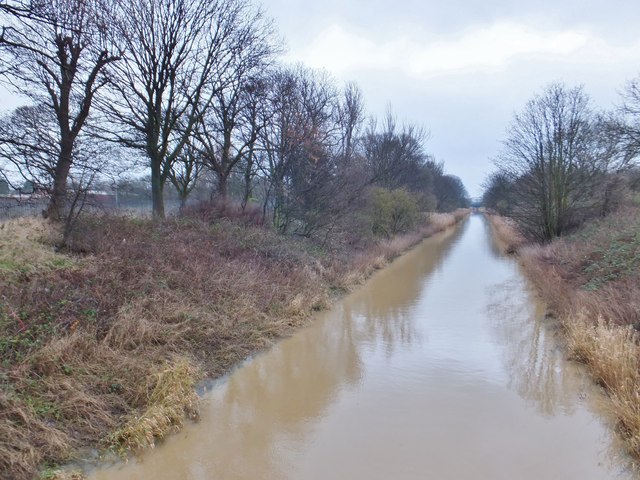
{"points": [[157, 187], [248, 178], [222, 191], [280, 215], [57, 202], [247, 189]]}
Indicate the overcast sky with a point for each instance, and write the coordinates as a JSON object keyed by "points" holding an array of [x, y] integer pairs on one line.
{"points": [[462, 68]]}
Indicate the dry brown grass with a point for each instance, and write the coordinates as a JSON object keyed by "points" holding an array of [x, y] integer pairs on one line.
{"points": [[27, 245], [102, 347], [613, 357], [505, 230], [63, 396], [19, 453], [170, 400], [610, 351], [544, 272]]}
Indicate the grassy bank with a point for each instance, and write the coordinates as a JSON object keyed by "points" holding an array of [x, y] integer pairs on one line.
{"points": [[591, 281], [102, 345]]}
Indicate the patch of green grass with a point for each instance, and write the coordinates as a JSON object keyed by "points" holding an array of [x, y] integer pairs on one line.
{"points": [[91, 314], [54, 472], [619, 259], [26, 266], [26, 247], [16, 346], [316, 250], [49, 473], [43, 408], [61, 262], [8, 264]]}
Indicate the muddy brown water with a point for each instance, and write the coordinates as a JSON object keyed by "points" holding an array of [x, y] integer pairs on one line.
{"points": [[442, 366]]}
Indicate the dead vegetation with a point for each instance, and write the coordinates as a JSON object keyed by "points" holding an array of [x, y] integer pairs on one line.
{"points": [[102, 345], [171, 399], [25, 244], [507, 233], [590, 280]]}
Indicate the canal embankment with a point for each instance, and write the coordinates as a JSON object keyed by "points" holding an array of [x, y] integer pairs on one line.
{"points": [[103, 344], [442, 365]]}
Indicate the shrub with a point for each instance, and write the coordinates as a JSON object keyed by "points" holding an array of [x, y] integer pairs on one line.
{"points": [[393, 211]]}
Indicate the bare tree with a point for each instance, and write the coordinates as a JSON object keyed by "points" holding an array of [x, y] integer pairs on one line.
{"points": [[550, 157], [350, 117], [298, 140], [395, 155], [333, 189], [627, 128], [29, 146], [450, 193], [497, 193], [29, 152], [227, 133], [15, 8], [257, 114], [314, 165], [56, 55], [178, 55], [185, 172]]}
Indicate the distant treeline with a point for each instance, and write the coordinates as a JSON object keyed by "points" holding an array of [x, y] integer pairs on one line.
{"points": [[193, 92]]}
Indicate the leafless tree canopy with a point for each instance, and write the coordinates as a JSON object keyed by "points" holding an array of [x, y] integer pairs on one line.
{"points": [[56, 54], [185, 172], [554, 166], [195, 90], [29, 145], [627, 127], [179, 57]]}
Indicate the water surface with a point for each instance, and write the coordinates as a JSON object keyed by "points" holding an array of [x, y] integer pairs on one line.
{"points": [[442, 366]]}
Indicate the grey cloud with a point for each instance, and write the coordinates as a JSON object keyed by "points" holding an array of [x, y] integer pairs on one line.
{"points": [[468, 112]]}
